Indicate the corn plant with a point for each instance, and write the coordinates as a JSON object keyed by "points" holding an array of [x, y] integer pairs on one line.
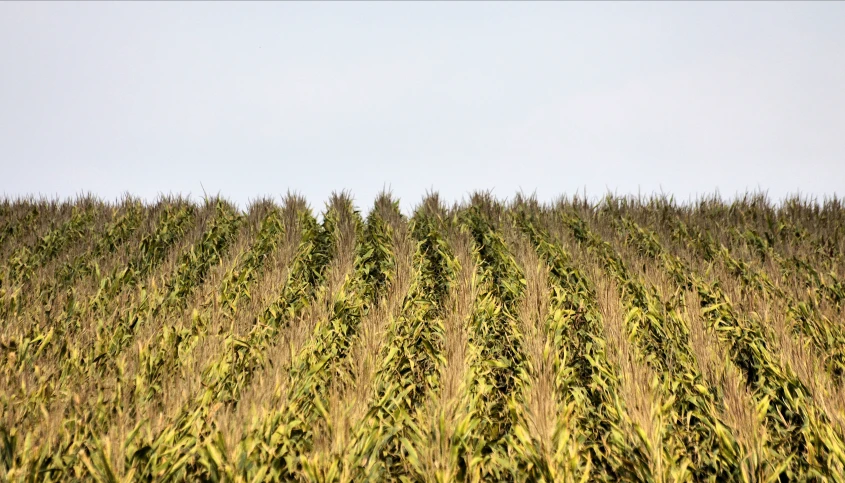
{"points": [[115, 235], [238, 280], [387, 441], [107, 309], [80, 363], [497, 365], [15, 226], [56, 287], [23, 263], [827, 337], [799, 430], [696, 439], [286, 436], [227, 377], [585, 378], [171, 344]]}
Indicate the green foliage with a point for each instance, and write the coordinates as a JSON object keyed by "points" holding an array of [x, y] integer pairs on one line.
{"points": [[107, 310], [798, 429]]}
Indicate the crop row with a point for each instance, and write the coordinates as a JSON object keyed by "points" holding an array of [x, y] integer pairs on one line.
{"points": [[497, 371], [286, 436], [798, 429], [696, 440], [586, 383], [12, 227], [387, 442], [24, 261], [86, 361], [39, 346], [794, 266], [157, 357], [115, 235], [186, 446], [827, 337]]}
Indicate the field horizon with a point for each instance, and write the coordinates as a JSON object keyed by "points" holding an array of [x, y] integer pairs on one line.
{"points": [[607, 338]]}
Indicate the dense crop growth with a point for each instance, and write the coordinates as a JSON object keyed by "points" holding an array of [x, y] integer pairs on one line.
{"points": [[622, 340]]}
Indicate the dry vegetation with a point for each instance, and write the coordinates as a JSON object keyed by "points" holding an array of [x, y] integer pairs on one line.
{"points": [[621, 340]]}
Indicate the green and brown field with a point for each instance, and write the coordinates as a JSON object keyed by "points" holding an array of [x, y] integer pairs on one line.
{"points": [[625, 339]]}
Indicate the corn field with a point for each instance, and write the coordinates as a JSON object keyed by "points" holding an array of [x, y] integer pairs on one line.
{"points": [[622, 339]]}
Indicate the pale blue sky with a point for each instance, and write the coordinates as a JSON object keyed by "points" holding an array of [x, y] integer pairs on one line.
{"points": [[255, 99]]}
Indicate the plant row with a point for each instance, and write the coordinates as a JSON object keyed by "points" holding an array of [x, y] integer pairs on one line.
{"points": [[695, 439], [804, 316], [387, 442], [798, 429]]}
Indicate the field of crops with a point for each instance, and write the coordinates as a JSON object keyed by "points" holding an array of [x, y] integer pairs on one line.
{"points": [[625, 339]]}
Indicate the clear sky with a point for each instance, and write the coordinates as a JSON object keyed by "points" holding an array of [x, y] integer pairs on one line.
{"points": [[255, 99]]}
